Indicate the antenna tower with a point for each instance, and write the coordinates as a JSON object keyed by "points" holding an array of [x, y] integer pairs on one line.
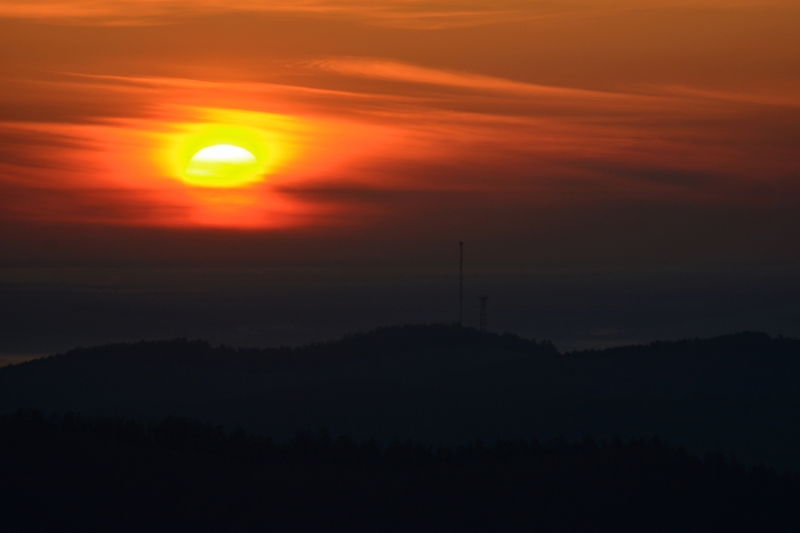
{"points": [[482, 324], [460, 283]]}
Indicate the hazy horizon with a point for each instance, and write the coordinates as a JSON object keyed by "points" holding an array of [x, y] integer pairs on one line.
{"points": [[248, 307]]}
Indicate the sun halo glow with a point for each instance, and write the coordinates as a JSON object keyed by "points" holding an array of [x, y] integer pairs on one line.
{"points": [[232, 168], [223, 157]]}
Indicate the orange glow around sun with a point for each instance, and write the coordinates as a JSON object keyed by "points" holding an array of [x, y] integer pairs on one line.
{"points": [[226, 168], [230, 149]]}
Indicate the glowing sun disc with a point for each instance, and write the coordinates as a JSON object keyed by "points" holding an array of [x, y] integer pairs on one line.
{"points": [[224, 153], [222, 165]]}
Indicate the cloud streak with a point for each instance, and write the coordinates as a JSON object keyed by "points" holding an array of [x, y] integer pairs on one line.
{"points": [[412, 14], [403, 72], [401, 13]]}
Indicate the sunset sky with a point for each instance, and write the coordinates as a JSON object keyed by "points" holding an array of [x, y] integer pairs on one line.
{"points": [[551, 136]]}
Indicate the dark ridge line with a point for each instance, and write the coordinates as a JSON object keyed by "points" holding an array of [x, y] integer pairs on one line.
{"points": [[404, 338]]}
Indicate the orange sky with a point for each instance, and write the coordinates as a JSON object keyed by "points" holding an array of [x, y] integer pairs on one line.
{"points": [[537, 121]]}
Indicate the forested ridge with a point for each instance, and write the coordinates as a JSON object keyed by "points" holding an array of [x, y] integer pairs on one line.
{"points": [[442, 384], [390, 423], [67, 473], [380, 343]]}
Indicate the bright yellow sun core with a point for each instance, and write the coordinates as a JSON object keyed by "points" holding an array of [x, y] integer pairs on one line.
{"points": [[224, 153], [222, 165]]}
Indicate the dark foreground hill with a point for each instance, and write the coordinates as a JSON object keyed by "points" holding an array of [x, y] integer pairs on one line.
{"points": [[443, 384], [69, 474]]}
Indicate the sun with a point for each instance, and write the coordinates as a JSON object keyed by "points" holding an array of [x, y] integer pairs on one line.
{"points": [[221, 165], [223, 157]]}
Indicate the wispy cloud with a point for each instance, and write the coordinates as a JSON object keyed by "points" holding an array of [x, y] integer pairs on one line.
{"points": [[419, 14], [384, 69], [402, 13], [775, 96]]}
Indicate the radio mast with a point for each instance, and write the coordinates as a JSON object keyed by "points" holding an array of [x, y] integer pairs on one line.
{"points": [[460, 283]]}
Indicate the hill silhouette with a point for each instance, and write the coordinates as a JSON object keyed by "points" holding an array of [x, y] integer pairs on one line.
{"points": [[443, 384]]}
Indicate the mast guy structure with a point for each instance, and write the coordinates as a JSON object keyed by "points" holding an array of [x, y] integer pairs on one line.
{"points": [[482, 323]]}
